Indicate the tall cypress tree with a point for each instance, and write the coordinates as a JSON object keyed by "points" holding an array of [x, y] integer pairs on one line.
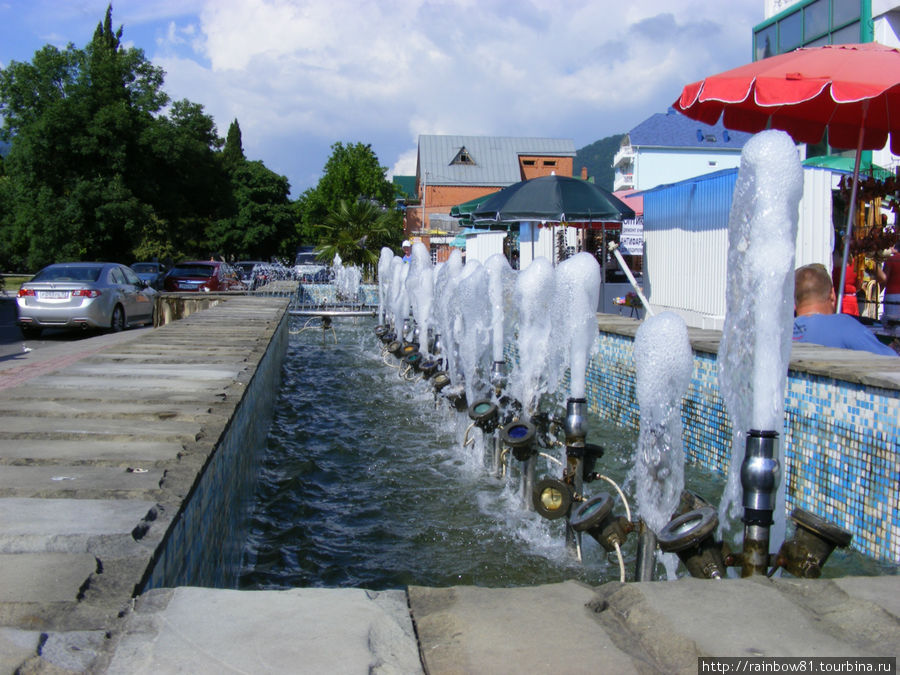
{"points": [[233, 153]]}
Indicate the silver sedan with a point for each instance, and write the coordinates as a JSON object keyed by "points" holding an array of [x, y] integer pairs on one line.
{"points": [[84, 295]]}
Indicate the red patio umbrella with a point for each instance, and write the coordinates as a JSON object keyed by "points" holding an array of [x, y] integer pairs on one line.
{"points": [[851, 90]]}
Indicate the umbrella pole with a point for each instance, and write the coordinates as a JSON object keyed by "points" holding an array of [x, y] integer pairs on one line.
{"points": [[848, 233]]}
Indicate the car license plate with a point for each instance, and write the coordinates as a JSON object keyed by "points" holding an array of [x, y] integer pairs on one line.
{"points": [[53, 295]]}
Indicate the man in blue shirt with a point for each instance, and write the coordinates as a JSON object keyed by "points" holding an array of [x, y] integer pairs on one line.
{"points": [[816, 322]]}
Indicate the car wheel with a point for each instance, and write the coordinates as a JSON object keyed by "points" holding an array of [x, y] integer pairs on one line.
{"points": [[117, 323], [31, 332]]}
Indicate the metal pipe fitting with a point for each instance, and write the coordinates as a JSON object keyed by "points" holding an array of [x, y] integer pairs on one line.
{"points": [[814, 539], [760, 474], [645, 556], [690, 536]]}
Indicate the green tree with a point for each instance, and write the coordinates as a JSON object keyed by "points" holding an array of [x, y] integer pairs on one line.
{"points": [[357, 231], [233, 153], [76, 119], [262, 222], [186, 182], [351, 173]]}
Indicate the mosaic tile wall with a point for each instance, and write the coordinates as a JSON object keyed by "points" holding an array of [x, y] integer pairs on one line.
{"points": [[205, 542], [842, 453]]}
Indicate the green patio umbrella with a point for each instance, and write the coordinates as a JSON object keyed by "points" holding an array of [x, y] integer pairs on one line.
{"points": [[845, 165], [552, 198], [464, 211]]}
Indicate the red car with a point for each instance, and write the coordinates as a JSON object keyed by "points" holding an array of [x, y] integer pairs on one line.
{"points": [[202, 275]]}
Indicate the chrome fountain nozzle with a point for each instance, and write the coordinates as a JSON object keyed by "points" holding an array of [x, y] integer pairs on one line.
{"points": [[575, 425], [498, 374], [760, 473]]}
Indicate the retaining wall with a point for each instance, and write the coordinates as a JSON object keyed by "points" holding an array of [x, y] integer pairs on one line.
{"points": [[204, 544], [842, 427]]}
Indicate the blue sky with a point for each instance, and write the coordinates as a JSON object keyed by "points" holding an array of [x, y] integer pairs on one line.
{"points": [[299, 75]]}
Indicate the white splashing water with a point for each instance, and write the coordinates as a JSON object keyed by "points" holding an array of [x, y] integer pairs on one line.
{"points": [[472, 329], [501, 281], [399, 298], [346, 280], [420, 288], [446, 279], [663, 363], [534, 298], [756, 339], [575, 333], [384, 282]]}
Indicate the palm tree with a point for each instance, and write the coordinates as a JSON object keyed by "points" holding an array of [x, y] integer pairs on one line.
{"points": [[357, 231]]}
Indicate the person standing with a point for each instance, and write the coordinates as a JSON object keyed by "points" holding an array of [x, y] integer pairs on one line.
{"points": [[849, 302], [816, 322], [889, 277]]}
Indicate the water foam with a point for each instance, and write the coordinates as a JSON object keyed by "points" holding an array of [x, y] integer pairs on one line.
{"points": [[756, 339]]}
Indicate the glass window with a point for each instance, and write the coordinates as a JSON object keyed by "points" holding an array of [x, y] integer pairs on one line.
{"points": [[765, 42], [815, 19], [790, 32], [116, 276], [847, 35], [844, 11], [130, 276]]}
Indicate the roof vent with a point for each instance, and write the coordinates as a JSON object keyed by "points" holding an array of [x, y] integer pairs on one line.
{"points": [[463, 157], [710, 138]]}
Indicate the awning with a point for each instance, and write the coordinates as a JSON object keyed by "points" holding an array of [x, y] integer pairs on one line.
{"points": [[843, 164]]}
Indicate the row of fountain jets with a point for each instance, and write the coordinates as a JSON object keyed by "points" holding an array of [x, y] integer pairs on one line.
{"points": [[450, 324], [453, 323]]}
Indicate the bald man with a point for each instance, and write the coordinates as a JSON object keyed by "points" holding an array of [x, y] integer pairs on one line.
{"points": [[816, 322]]}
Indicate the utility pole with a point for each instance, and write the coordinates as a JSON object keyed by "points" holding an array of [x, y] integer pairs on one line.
{"points": [[424, 185]]}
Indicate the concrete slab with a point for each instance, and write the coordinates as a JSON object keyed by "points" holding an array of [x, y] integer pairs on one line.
{"points": [[44, 577], [16, 646], [49, 481], [169, 430], [132, 453], [126, 384], [881, 591], [65, 525], [311, 630], [116, 407], [669, 624], [548, 628], [192, 371], [92, 393]]}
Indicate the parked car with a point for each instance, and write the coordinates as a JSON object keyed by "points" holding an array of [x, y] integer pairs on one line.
{"points": [[254, 273], [84, 295], [202, 275], [151, 272], [307, 268]]}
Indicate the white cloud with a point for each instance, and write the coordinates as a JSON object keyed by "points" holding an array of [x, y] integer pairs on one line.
{"points": [[302, 74]]}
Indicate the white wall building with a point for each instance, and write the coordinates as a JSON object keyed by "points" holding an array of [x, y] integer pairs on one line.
{"points": [[669, 147]]}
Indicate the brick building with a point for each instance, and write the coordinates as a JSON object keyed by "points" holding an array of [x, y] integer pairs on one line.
{"points": [[451, 170]]}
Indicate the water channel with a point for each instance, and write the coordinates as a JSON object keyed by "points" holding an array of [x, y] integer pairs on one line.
{"points": [[365, 484]]}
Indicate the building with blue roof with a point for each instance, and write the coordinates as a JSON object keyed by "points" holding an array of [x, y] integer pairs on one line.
{"points": [[669, 147]]}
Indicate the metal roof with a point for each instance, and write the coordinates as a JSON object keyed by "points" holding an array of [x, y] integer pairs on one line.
{"points": [[674, 130], [491, 160]]}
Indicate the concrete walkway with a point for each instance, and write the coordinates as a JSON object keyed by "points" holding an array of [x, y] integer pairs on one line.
{"points": [[100, 443]]}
